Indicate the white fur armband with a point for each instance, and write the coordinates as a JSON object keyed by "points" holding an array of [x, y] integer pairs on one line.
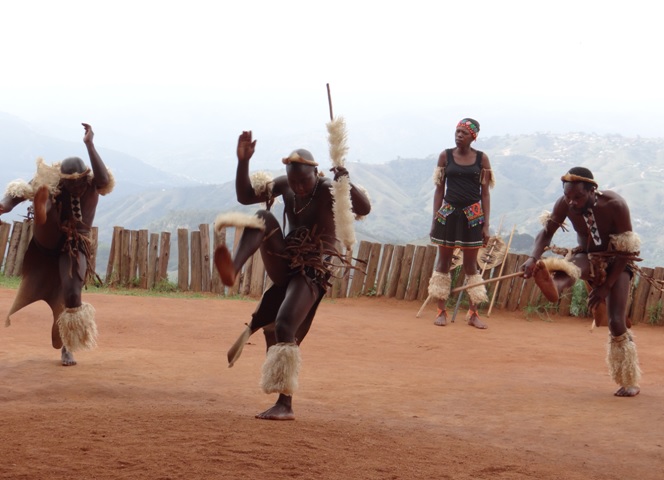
{"points": [[20, 189], [261, 182], [627, 242], [438, 176], [546, 217]]}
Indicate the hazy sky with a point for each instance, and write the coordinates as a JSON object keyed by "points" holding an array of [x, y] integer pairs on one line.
{"points": [[143, 67]]}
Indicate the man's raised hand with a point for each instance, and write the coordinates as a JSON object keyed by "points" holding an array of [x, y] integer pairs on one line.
{"points": [[245, 146], [89, 134]]}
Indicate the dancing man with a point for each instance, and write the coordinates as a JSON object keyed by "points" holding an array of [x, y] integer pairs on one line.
{"points": [[57, 262], [299, 264], [607, 248]]}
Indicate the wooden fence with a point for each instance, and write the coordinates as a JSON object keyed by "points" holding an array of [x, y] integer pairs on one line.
{"points": [[140, 259]]}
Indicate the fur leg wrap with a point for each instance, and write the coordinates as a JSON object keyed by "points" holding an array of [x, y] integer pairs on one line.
{"points": [[477, 294], [623, 360], [439, 285], [78, 329], [281, 369]]}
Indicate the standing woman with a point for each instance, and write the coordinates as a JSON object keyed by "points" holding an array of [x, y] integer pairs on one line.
{"points": [[461, 207]]}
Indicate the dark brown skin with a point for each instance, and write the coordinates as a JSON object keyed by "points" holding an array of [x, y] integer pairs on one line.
{"points": [[464, 155], [307, 203], [56, 211], [613, 217]]}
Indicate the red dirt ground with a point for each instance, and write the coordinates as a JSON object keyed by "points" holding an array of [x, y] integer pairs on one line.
{"points": [[383, 395]]}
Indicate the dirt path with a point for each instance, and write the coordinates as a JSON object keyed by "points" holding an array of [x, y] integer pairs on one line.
{"points": [[383, 395]]}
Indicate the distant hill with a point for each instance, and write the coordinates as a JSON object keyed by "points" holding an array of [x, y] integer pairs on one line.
{"points": [[527, 170]]}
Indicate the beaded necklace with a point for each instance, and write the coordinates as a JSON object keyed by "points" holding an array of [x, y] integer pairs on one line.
{"points": [[313, 194]]}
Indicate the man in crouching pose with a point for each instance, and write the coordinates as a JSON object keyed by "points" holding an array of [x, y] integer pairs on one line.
{"points": [[57, 262], [299, 264], [606, 251]]}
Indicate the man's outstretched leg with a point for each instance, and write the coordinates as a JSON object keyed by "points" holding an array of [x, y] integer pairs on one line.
{"points": [[553, 275], [252, 237]]}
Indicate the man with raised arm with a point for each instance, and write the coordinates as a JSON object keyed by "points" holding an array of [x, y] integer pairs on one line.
{"points": [[57, 262], [298, 263]]}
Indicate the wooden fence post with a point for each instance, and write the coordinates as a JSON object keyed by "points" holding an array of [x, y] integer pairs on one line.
{"points": [[153, 260], [427, 270], [384, 269], [196, 274], [359, 272], [395, 271], [26, 236], [205, 257], [5, 230], [219, 238], [183, 259], [125, 255], [416, 273], [142, 258], [404, 275], [14, 240], [372, 270], [164, 256]]}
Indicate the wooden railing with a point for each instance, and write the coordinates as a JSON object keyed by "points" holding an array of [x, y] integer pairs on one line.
{"points": [[141, 259]]}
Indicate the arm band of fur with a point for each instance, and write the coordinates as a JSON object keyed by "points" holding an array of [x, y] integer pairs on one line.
{"points": [[261, 182], [108, 188], [438, 176], [20, 189], [483, 177], [627, 242]]}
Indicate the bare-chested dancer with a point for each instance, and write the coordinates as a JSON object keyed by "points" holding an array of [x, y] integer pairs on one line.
{"points": [[57, 261], [298, 264], [606, 247]]}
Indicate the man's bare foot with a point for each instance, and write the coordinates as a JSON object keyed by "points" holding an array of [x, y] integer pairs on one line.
{"points": [[441, 319], [474, 321], [39, 204], [277, 412], [224, 264], [545, 283], [627, 392], [67, 357]]}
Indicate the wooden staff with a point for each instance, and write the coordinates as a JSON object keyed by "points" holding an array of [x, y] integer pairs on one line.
{"points": [[329, 101], [484, 282], [500, 272]]}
